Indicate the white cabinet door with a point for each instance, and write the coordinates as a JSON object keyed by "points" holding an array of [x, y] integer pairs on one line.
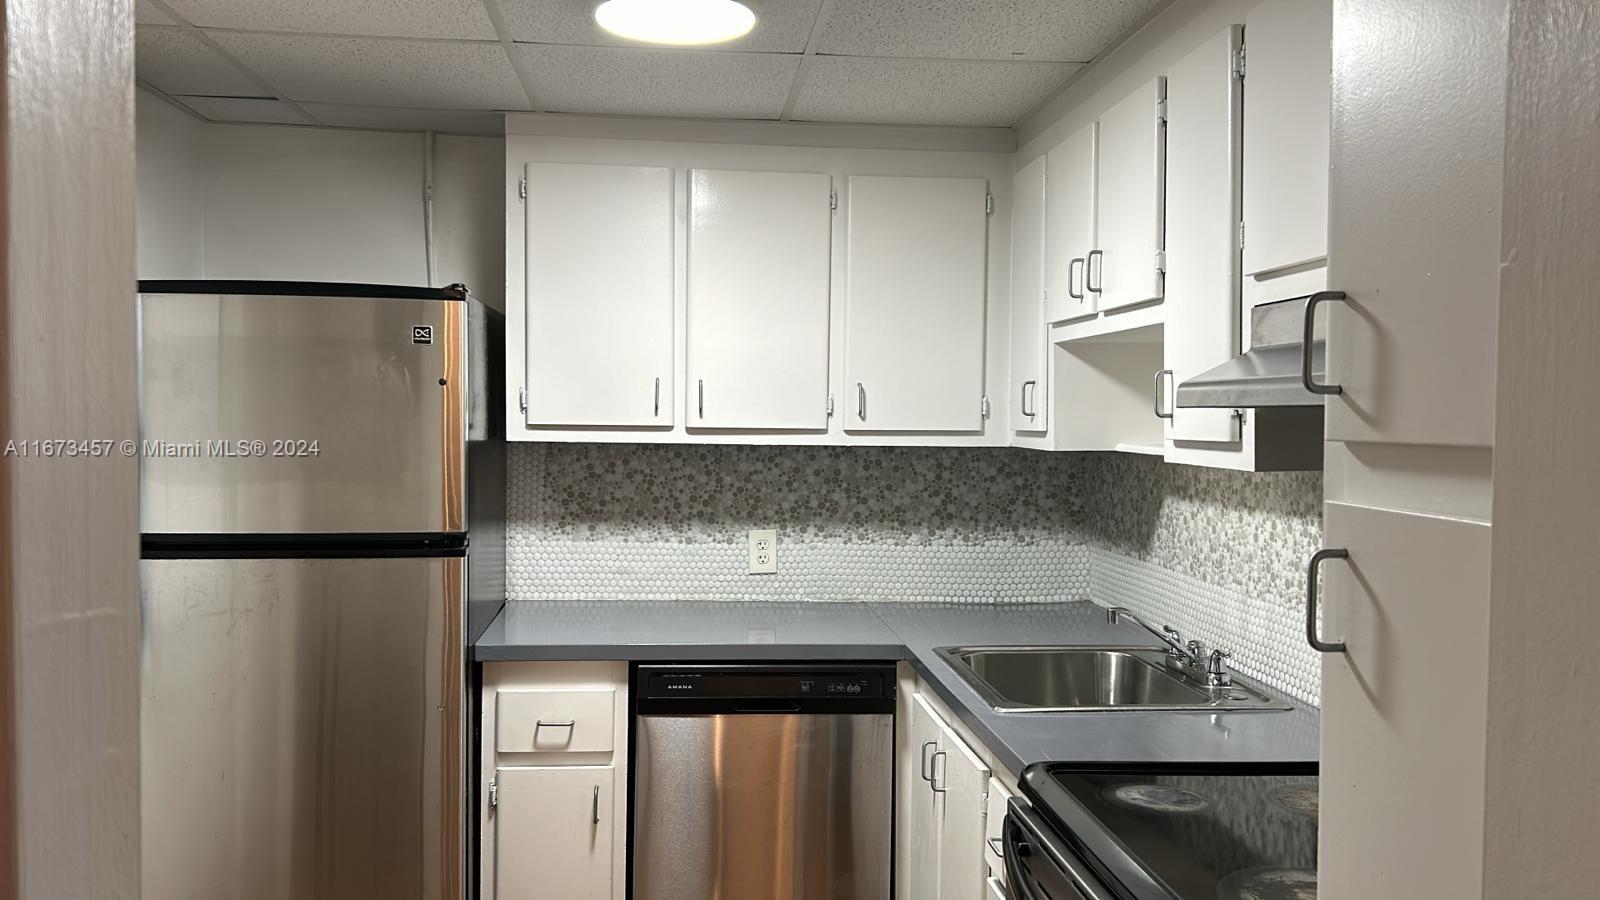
{"points": [[994, 827], [962, 780], [554, 833], [599, 295], [1070, 212], [921, 871], [1415, 226], [1130, 199], [914, 304], [1202, 282], [758, 259], [1029, 334], [1403, 710], [1286, 133]]}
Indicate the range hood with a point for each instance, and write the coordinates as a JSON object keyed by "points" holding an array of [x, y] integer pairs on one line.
{"points": [[1269, 373]]}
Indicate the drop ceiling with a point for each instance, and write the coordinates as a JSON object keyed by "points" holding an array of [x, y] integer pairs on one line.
{"points": [[455, 65]]}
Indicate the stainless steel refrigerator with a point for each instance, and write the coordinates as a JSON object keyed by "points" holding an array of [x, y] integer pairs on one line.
{"points": [[322, 503]]}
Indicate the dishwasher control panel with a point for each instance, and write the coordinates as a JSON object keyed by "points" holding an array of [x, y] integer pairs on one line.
{"points": [[768, 688]]}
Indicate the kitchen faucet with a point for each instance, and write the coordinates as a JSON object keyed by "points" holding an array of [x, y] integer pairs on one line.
{"points": [[1210, 669]]}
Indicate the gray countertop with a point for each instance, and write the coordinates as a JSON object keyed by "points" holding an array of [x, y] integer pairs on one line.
{"points": [[769, 631]]}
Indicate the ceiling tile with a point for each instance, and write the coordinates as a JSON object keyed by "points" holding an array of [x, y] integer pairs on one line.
{"points": [[178, 62], [650, 82], [926, 91], [1066, 30], [144, 13], [381, 72], [244, 109], [460, 19], [782, 26], [385, 118]]}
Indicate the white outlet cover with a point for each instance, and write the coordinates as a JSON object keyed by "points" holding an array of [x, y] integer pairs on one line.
{"points": [[763, 552]]}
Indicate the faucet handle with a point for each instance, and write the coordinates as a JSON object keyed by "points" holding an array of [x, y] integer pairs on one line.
{"points": [[1217, 669]]}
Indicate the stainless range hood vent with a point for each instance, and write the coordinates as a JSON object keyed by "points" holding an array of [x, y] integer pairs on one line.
{"points": [[1269, 373]]}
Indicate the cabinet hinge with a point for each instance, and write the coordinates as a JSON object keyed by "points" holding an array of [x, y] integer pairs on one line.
{"points": [[494, 795], [1241, 234], [830, 406], [1161, 110], [1238, 62], [988, 204], [1161, 261], [833, 200], [522, 398], [522, 188], [983, 406]]}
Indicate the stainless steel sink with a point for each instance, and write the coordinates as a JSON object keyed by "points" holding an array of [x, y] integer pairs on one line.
{"points": [[1075, 679]]}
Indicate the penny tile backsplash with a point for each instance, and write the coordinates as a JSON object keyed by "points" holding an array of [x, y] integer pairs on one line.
{"points": [[669, 522]]}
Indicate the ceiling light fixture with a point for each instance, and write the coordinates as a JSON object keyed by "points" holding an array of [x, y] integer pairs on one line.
{"points": [[679, 22]]}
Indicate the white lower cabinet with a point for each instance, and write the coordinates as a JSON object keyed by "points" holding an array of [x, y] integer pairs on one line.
{"points": [[553, 834], [944, 800], [554, 769]]}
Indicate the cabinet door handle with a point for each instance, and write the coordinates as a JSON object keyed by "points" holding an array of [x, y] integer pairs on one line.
{"points": [[570, 723], [995, 847], [1312, 601], [596, 807], [1159, 413], [861, 402], [933, 771], [702, 398], [926, 760], [657, 410], [1311, 384], [1025, 385], [1074, 273], [1089, 268]]}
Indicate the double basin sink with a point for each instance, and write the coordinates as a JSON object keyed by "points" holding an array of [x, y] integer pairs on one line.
{"points": [[1092, 679]]}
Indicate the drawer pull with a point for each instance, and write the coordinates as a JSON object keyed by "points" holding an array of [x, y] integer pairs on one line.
{"points": [[569, 724]]}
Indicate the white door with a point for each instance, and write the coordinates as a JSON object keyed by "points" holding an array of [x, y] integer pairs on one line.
{"points": [[1130, 199], [1404, 709], [758, 257], [921, 871], [1414, 228], [1070, 211], [1289, 55], [1029, 334], [1204, 100], [962, 780], [599, 295], [914, 304], [553, 833]]}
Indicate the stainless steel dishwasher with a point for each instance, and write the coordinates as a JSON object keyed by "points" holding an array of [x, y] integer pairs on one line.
{"points": [[762, 782]]}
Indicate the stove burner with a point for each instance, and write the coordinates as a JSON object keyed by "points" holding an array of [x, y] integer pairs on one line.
{"points": [[1155, 798], [1300, 799], [1269, 883]]}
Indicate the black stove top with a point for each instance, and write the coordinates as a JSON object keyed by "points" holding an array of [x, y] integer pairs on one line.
{"points": [[1190, 832]]}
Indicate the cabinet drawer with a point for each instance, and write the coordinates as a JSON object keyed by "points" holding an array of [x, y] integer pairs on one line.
{"points": [[555, 721]]}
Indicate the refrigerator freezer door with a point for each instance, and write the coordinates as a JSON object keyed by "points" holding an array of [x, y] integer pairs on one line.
{"points": [[302, 729], [268, 414]]}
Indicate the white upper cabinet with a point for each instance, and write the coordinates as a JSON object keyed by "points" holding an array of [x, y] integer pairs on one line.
{"points": [[1070, 225], [1204, 100], [1127, 269], [1413, 347], [599, 286], [1286, 134], [1029, 367], [915, 303], [758, 269]]}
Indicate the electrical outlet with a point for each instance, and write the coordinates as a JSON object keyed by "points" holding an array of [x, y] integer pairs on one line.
{"points": [[764, 552]]}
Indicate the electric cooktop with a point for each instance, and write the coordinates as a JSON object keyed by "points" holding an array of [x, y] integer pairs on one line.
{"points": [[1190, 832]]}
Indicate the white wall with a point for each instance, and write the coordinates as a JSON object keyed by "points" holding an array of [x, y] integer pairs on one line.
{"points": [[311, 204], [170, 157]]}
